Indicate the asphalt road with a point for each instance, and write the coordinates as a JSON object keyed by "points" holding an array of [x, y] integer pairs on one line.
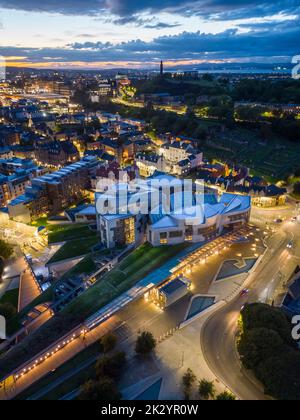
{"points": [[219, 332]]}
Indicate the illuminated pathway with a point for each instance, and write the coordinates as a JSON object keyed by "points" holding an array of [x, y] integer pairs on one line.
{"points": [[29, 289], [56, 356]]}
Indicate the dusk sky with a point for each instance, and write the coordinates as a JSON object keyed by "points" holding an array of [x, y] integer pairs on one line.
{"points": [[138, 34]]}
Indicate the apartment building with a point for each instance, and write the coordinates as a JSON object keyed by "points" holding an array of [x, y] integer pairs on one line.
{"points": [[9, 135], [56, 153], [149, 163], [50, 194], [181, 157]]}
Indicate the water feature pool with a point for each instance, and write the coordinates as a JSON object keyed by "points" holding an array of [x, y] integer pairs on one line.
{"points": [[151, 393], [231, 268], [200, 304]]}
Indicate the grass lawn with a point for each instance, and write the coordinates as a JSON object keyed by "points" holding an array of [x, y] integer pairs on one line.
{"points": [[75, 248], [42, 221], [12, 297], [133, 269], [86, 266], [14, 324], [74, 382], [66, 233]]}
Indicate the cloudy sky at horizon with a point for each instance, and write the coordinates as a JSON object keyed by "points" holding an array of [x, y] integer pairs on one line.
{"points": [[128, 33]]}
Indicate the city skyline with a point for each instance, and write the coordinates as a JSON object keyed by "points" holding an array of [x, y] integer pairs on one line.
{"points": [[114, 34]]}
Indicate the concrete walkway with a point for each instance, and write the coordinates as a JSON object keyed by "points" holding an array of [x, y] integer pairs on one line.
{"points": [[29, 290]]}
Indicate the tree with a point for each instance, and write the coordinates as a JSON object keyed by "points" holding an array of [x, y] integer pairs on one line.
{"points": [[259, 315], [297, 189], [111, 366], [145, 344], [208, 77], [267, 348], [188, 380], [225, 396], [104, 389], [108, 342], [259, 344], [206, 389], [7, 310], [249, 113], [2, 266], [6, 250], [281, 375]]}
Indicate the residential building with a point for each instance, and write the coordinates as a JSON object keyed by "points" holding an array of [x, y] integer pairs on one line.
{"points": [[52, 193], [181, 157], [13, 186], [149, 163], [56, 153], [263, 196], [10, 166], [9, 135], [112, 172], [110, 146]]}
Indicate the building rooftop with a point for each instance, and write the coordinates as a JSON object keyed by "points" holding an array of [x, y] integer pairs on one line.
{"points": [[173, 286]]}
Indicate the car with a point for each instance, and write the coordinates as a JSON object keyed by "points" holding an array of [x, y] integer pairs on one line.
{"points": [[278, 221], [244, 292]]}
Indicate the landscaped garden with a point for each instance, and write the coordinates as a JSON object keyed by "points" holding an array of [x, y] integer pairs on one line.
{"points": [[63, 233], [85, 266], [75, 248], [11, 296], [79, 241], [133, 269]]}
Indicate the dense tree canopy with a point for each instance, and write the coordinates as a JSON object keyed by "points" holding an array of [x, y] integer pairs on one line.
{"points": [[267, 348], [145, 344], [111, 365], [6, 250], [7, 310], [104, 389]]}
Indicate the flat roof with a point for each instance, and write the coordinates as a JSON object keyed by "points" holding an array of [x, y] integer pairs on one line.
{"points": [[173, 286]]}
